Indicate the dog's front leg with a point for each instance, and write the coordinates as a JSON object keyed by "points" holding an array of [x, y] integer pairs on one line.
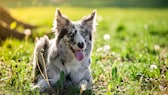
{"points": [[53, 74], [42, 85], [86, 82], [45, 85]]}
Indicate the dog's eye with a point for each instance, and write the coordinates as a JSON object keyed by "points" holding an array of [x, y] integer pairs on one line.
{"points": [[83, 33], [71, 35]]}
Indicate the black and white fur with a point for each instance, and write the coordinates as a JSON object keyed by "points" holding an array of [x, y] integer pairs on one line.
{"points": [[69, 52]]}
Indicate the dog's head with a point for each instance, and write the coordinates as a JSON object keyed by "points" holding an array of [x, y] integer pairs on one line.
{"points": [[75, 36]]}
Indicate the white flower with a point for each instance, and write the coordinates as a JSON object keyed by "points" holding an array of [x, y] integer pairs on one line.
{"points": [[106, 37], [153, 66], [27, 32], [156, 47], [99, 49], [106, 48], [119, 58], [113, 53]]}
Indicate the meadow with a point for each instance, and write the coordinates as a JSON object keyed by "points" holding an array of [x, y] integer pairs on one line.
{"points": [[130, 55]]}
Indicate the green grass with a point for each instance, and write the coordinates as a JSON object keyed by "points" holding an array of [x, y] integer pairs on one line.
{"points": [[135, 64]]}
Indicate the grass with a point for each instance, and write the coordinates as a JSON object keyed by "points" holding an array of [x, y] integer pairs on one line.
{"points": [[133, 61]]}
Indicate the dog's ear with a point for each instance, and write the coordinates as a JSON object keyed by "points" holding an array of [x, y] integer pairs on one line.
{"points": [[90, 21], [61, 21]]}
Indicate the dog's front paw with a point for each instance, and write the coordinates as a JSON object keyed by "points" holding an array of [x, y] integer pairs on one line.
{"points": [[83, 85], [43, 87]]}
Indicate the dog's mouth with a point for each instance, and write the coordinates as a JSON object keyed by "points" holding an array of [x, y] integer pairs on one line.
{"points": [[79, 54]]}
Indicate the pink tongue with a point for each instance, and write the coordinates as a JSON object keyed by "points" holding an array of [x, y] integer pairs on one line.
{"points": [[79, 55]]}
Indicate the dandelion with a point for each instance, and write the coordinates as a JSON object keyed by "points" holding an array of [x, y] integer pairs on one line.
{"points": [[156, 47], [99, 49], [27, 32], [153, 66], [119, 58], [106, 37], [106, 48]]}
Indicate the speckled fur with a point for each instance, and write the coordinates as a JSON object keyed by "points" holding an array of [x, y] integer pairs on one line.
{"points": [[58, 55]]}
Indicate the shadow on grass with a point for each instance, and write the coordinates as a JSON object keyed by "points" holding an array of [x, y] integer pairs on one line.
{"points": [[64, 90], [71, 90]]}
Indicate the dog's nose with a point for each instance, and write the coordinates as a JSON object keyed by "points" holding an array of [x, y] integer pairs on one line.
{"points": [[80, 45]]}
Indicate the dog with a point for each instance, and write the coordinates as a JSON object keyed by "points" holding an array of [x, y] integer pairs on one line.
{"points": [[69, 52]]}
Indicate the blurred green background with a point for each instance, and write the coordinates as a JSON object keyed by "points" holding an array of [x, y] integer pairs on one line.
{"points": [[87, 3], [130, 54]]}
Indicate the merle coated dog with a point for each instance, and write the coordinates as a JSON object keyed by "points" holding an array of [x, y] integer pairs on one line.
{"points": [[68, 52]]}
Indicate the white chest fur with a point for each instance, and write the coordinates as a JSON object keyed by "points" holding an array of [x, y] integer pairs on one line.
{"points": [[72, 66]]}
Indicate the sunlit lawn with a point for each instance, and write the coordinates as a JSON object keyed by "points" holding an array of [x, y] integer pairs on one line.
{"points": [[134, 60]]}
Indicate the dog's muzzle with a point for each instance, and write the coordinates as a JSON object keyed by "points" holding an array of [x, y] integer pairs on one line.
{"points": [[79, 54]]}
